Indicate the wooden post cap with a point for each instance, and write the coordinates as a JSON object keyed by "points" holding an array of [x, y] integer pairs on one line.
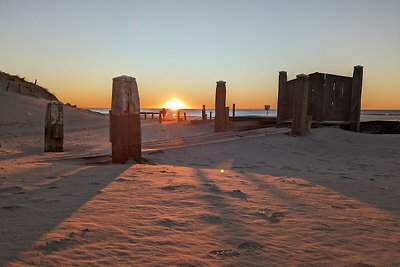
{"points": [[358, 67], [302, 76], [124, 78], [282, 72], [221, 82]]}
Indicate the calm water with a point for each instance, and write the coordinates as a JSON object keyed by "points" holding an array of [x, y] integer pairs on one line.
{"points": [[382, 114]]}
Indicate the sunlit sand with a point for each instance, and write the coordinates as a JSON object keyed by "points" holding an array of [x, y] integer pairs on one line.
{"points": [[255, 198]]}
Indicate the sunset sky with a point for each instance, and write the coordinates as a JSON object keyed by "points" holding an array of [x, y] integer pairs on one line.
{"points": [[180, 48]]}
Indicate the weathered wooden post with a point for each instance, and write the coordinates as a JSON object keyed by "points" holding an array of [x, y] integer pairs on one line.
{"points": [[300, 105], [178, 115], [282, 97], [152, 115], [226, 118], [184, 116], [233, 110], [220, 111], [210, 115], [145, 115], [159, 116], [355, 109], [54, 127], [203, 113], [125, 132]]}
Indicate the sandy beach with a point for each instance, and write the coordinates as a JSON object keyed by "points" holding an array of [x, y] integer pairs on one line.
{"points": [[250, 198]]}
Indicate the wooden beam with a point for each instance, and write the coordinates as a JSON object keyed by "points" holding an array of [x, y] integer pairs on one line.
{"points": [[355, 108], [300, 105]]}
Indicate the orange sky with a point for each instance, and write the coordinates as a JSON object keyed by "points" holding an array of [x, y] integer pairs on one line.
{"points": [[179, 48]]}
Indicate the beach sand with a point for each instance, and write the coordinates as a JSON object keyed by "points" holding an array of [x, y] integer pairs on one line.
{"points": [[253, 198]]}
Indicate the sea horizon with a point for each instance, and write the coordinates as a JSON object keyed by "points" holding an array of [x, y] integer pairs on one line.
{"points": [[256, 112]]}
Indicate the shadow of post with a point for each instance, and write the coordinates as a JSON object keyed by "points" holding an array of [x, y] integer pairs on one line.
{"points": [[22, 223]]}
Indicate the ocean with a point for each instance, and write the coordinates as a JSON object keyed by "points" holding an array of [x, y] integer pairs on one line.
{"points": [[377, 114]]}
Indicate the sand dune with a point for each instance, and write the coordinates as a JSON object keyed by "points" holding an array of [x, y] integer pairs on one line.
{"points": [[256, 198]]}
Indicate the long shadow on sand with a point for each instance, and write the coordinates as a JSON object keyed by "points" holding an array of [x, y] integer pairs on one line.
{"points": [[351, 184], [22, 223]]}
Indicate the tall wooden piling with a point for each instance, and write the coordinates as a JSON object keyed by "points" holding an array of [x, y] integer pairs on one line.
{"points": [[203, 113], [300, 105], [282, 97], [226, 118], [233, 110], [54, 127], [220, 111], [355, 108], [125, 132]]}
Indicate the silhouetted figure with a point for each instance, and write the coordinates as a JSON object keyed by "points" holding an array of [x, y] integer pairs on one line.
{"points": [[163, 112]]}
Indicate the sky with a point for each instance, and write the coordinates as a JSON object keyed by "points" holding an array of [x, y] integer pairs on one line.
{"points": [[180, 48]]}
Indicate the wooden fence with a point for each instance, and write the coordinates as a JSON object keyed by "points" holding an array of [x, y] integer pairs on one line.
{"points": [[330, 97]]}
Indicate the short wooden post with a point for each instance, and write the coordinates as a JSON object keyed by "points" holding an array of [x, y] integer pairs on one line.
{"points": [[282, 97], [184, 116], [145, 115], [54, 127], [355, 109], [8, 84], [178, 115], [300, 105], [233, 110], [220, 111], [125, 132], [210, 115], [152, 115], [203, 113], [159, 116]]}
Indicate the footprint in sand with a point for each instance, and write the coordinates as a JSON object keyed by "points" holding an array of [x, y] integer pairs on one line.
{"points": [[169, 223], [237, 194], [361, 264], [11, 207], [178, 187], [210, 218], [212, 188], [224, 253], [11, 189], [250, 247], [272, 217]]}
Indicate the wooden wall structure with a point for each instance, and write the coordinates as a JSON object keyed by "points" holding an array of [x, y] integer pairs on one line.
{"points": [[330, 98]]}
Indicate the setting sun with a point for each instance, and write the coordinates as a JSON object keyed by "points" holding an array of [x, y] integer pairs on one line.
{"points": [[175, 104]]}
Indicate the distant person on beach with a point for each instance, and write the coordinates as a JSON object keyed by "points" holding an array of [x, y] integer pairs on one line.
{"points": [[163, 112]]}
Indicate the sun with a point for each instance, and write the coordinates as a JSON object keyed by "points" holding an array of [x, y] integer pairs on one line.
{"points": [[175, 104]]}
